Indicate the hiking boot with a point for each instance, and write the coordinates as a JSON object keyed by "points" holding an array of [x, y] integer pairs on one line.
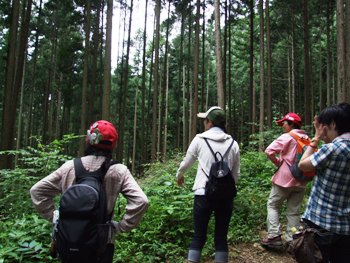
{"points": [[272, 242]]}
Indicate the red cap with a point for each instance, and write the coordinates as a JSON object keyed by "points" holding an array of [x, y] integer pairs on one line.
{"points": [[293, 117], [102, 134]]}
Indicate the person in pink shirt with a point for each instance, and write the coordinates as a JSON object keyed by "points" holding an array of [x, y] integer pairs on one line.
{"points": [[282, 152]]}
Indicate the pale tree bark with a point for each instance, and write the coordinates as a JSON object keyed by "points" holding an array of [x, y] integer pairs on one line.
{"points": [[124, 88], [307, 71], [347, 49], [195, 74], [156, 80], [231, 106], [293, 73], [329, 58], [269, 71], [262, 76], [83, 117], [143, 90], [341, 55], [48, 87], [289, 81], [92, 115], [320, 102], [165, 143], [219, 75], [184, 137], [203, 58], [28, 137], [20, 120], [107, 64], [251, 103], [134, 134], [163, 86]]}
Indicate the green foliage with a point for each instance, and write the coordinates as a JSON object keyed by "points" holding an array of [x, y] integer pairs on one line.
{"points": [[25, 239], [34, 163], [166, 228], [250, 203], [165, 231]]}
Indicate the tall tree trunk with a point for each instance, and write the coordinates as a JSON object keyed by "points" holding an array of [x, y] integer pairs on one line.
{"points": [[165, 143], [307, 72], [34, 80], [269, 71], [92, 114], [156, 76], [293, 72], [48, 92], [83, 117], [320, 102], [107, 64], [203, 58], [20, 120], [14, 75], [124, 93], [219, 75], [251, 105], [289, 81], [341, 51], [134, 134], [347, 49], [184, 109], [143, 90], [195, 73], [163, 85], [229, 77], [262, 76], [329, 58]]}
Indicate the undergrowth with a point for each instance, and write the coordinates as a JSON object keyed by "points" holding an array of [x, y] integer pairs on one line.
{"points": [[165, 231]]}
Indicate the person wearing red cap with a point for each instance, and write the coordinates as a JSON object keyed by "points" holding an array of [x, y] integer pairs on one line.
{"points": [[282, 152], [101, 140]]}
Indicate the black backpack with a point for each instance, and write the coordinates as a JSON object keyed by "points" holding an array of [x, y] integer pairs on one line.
{"points": [[83, 226], [221, 184]]}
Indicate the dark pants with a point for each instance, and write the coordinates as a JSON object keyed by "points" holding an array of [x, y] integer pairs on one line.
{"points": [[202, 211], [334, 248]]}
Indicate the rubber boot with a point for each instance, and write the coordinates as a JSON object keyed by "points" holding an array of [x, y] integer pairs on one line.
{"points": [[194, 256], [221, 257]]}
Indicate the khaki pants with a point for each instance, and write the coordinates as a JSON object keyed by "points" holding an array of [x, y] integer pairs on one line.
{"points": [[294, 197]]}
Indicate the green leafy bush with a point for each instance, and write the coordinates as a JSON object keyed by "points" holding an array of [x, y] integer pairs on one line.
{"points": [[24, 237], [166, 229]]}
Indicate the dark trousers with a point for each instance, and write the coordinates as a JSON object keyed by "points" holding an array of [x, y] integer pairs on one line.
{"points": [[202, 211], [334, 248]]}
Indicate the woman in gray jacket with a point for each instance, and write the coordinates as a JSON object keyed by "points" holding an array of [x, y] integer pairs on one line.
{"points": [[101, 140], [215, 133]]}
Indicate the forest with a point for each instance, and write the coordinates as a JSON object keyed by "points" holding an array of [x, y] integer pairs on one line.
{"points": [[256, 59]]}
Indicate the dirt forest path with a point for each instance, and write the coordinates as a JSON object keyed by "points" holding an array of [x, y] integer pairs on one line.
{"points": [[254, 253]]}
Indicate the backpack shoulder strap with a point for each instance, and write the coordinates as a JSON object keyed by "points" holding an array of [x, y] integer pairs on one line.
{"points": [[296, 137], [211, 149], [99, 174], [228, 149], [79, 168]]}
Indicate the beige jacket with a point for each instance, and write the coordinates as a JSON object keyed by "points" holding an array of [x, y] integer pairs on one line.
{"points": [[118, 179]]}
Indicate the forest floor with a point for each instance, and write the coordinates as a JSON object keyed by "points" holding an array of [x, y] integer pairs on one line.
{"points": [[255, 253]]}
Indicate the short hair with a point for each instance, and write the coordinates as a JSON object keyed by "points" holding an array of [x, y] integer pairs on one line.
{"points": [[339, 114], [290, 123]]}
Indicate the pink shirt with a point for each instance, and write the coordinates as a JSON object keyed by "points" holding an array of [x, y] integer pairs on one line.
{"points": [[282, 152]]}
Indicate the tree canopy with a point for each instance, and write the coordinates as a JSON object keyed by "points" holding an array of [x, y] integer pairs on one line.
{"points": [[274, 57]]}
